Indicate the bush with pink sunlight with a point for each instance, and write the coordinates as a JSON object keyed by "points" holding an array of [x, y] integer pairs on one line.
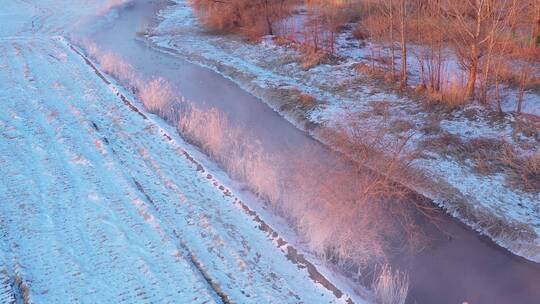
{"points": [[231, 146], [346, 217], [114, 65], [157, 95], [352, 219], [391, 287]]}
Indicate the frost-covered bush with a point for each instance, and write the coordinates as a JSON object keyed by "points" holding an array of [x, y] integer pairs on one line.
{"points": [[346, 217], [114, 65], [157, 95], [391, 287], [233, 147]]}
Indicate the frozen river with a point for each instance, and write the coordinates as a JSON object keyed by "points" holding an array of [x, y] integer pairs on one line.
{"points": [[457, 264]]}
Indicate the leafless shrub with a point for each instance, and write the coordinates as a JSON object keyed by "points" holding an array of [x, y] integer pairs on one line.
{"points": [[349, 219], [254, 18], [325, 22], [400, 126], [312, 58], [360, 33], [381, 108], [452, 94], [307, 100]]}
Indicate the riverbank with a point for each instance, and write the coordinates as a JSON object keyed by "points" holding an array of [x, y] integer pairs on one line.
{"points": [[484, 201], [101, 202], [237, 130]]}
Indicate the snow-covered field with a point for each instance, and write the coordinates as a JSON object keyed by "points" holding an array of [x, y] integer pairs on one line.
{"points": [[47, 17], [508, 215], [101, 204]]}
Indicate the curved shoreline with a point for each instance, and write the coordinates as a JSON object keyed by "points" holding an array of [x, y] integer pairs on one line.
{"points": [[512, 236], [264, 100]]}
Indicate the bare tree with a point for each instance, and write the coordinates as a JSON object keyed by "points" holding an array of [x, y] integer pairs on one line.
{"points": [[429, 34], [501, 17], [471, 25]]}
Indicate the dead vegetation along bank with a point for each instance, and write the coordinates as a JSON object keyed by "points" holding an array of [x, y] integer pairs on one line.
{"points": [[353, 221], [494, 43], [502, 53]]}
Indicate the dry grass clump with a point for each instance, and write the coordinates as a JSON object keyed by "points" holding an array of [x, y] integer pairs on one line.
{"points": [[525, 172], [373, 71], [446, 143], [452, 95], [484, 153], [157, 94], [381, 108], [282, 41], [489, 156], [401, 125], [528, 127], [492, 156], [432, 125], [307, 100], [312, 57], [232, 147], [391, 287], [360, 33]]}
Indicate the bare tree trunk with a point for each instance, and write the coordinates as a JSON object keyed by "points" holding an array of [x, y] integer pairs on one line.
{"points": [[474, 55], [439, 47], [403, 45], [393, 64], [498, 93], [523, 80], [372, 58], [439, 65], [487, 68], [270, 30], [473, 71], [536, 38]]}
